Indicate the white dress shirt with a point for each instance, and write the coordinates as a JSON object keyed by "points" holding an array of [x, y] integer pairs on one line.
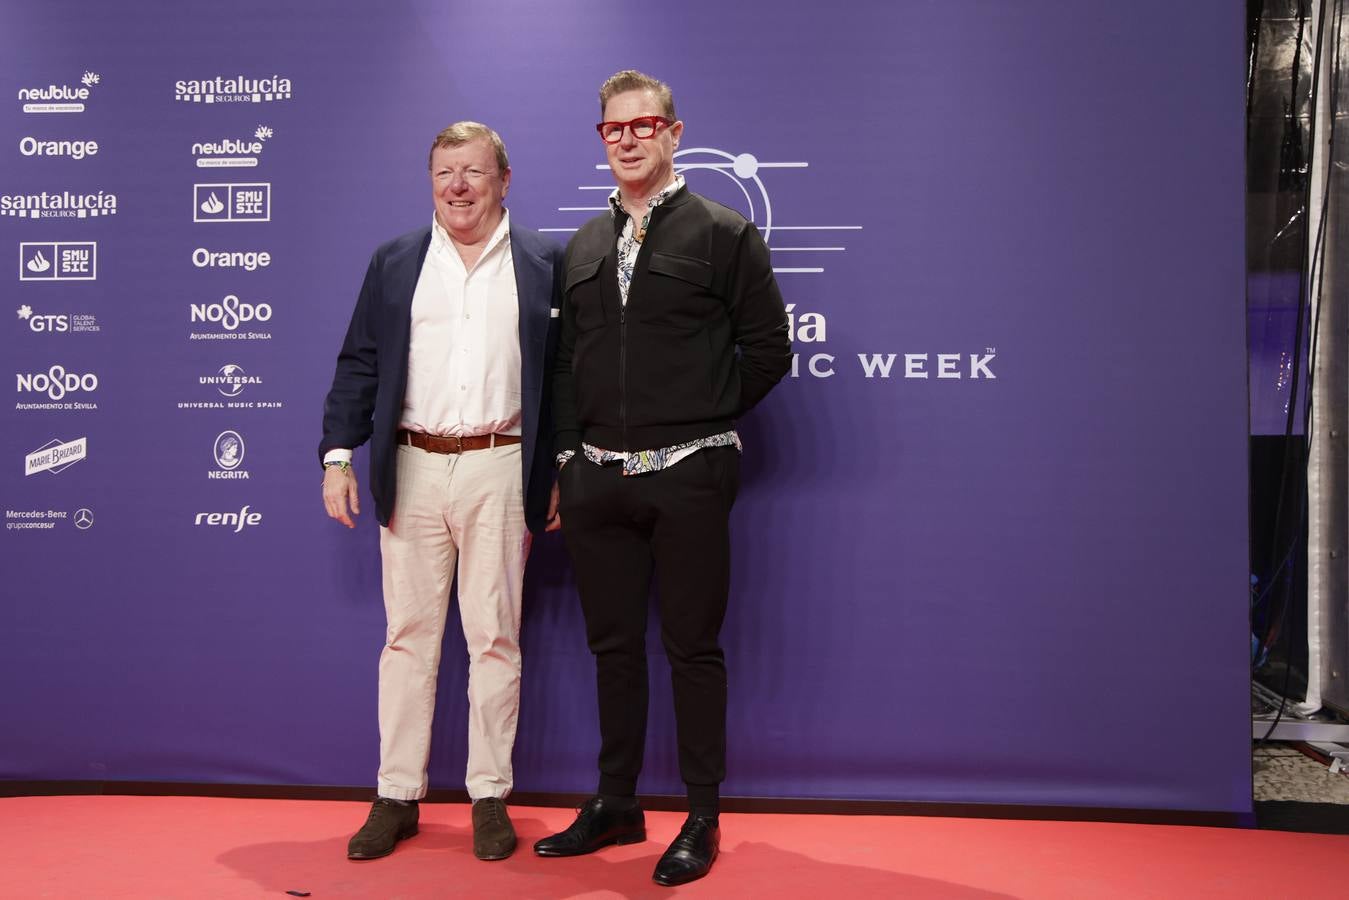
{"points": [[464, 351]]}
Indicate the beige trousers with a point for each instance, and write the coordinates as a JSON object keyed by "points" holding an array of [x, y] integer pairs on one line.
{"points": [[465, 509]]}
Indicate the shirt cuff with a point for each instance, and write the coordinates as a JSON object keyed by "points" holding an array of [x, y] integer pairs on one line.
{"points": [[337, 455]]}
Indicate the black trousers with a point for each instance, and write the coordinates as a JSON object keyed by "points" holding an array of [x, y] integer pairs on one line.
{"points": [[621, 532]]}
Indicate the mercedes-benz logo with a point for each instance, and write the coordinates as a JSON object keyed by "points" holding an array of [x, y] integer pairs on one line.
{"points": [[84, 518]]}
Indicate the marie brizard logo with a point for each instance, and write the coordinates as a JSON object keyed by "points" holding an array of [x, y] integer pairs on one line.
{"points": [[59, 98], [55, 456]]}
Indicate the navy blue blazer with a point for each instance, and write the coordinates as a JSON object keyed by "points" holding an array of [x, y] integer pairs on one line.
{"points": [[366, 399]]}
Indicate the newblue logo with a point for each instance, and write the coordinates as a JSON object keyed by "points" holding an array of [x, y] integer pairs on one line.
{"points": [[232, 202], [232, 153], [59, 98], [58, 261], [233, 89]]}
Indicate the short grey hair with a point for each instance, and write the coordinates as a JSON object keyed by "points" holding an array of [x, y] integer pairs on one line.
{"points": [[632, 80], [461, 133]]}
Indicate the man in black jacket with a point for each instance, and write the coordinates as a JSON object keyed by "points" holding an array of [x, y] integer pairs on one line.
{"points": [[672, 327]]}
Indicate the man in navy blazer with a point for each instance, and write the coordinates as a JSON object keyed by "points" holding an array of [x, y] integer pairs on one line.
{"points": [[443, 370]]}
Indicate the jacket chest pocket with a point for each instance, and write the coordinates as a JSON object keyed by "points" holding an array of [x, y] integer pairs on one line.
{"points": [[682, 285], [585, 295]]}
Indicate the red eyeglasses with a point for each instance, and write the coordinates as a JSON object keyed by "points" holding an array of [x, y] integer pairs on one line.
{"points": [[643, 128]]}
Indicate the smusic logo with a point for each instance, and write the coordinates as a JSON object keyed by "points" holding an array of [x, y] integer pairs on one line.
{"points": [[232, 203], [58, 261], [234, 89]]}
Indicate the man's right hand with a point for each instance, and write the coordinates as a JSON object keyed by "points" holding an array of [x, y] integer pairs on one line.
{"points": [[339, 490]]}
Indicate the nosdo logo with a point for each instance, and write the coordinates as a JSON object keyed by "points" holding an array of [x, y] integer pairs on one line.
{"points": [[248, 260], [31, 146], [56, 382], [231, 152], [233, 89], [238, 521], [231, 312], [62, 205], [59, 98], [230, 381]]}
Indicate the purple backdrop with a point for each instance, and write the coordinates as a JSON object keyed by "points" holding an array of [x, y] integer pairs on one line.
{"points": [[1024, 584]]}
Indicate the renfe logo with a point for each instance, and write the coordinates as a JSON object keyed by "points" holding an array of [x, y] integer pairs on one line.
{"points": [[239, 521]]}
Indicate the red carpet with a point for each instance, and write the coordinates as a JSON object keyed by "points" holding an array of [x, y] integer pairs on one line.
{"points": [[193, 847]]}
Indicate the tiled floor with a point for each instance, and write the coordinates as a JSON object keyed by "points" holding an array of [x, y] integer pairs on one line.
{"points": [[1284, 773]]}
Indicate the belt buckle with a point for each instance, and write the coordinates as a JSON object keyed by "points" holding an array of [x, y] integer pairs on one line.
{"points": [[458, 443]]}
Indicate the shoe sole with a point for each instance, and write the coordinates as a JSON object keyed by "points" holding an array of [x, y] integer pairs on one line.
{"points": [[634, 838], [496, 856], [402, 835]]}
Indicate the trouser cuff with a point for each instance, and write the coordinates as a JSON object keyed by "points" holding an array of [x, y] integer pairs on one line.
{"points": [[618, 787]]}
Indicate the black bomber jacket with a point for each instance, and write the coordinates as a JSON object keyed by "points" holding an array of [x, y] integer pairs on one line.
{"points": [[702, 339]]}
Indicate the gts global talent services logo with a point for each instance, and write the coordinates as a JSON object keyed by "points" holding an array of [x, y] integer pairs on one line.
{"points": [[233, 89], [59, 98], [58, 205], [232, 152], [57, 323]]}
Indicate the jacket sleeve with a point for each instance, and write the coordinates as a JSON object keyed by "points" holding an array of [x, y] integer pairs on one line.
{"points": [[566, 428], [758, 319], [350, 405]]}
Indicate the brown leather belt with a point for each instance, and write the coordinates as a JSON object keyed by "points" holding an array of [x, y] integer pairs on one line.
{"points": [[437, 444]]}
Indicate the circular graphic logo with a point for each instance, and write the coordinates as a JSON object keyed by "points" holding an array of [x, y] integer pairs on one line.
{"points": [[232, 380], [84, 519], [229, 450]]}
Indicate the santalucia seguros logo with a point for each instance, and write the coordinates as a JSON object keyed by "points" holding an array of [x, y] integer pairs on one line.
{"points": [[233, 89], [58, 205]]}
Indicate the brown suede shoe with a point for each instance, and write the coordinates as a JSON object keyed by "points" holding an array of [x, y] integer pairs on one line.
{"points": [[493, 833], [388, 823]]}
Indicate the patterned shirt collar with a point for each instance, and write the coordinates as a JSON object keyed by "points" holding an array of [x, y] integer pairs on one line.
{"points": [[616, 199]]}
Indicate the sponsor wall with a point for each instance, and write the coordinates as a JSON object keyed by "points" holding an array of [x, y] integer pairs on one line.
{"points": [[991, 542]]}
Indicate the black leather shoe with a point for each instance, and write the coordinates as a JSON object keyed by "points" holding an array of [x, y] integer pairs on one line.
{"points": [[691, 853], [596, 826], [493, 833], [389, 822]]}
